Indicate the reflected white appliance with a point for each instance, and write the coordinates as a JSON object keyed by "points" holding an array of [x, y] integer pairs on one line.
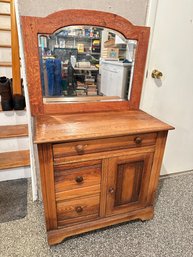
{"points": [[114, 78]]}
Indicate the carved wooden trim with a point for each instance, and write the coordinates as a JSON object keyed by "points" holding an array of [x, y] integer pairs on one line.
{"points": [[32, 26]]}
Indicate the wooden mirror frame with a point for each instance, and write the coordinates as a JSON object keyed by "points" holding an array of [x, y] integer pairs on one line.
{"points": [[32, 26]]}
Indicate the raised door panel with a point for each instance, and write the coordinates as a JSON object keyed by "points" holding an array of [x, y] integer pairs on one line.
{"points": [[128, 181]]}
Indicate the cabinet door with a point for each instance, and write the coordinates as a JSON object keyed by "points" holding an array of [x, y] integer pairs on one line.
{"points": [[128, 181]]}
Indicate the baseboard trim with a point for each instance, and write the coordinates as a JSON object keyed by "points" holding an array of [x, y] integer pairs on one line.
{"points": [[15, 173], [176, 174]]}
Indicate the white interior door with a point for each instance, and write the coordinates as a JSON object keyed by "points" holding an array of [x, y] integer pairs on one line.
{"points": [[171, 98]]}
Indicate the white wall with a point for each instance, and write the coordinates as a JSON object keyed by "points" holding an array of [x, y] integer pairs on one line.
{"points": [[28, 110], [171, 99], [133, 10]]}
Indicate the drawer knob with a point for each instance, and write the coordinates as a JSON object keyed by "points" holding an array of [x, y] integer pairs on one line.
{"points": [[78, 209], [79, 179], [79, 149], [138, 140], [111, 190]]}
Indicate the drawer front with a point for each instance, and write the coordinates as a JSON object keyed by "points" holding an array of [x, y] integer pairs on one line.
{"points": [[77, 210], [78, 179], [100, 145]]}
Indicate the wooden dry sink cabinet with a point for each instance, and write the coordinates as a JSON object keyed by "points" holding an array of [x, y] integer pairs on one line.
{"points": [[99, 161]]}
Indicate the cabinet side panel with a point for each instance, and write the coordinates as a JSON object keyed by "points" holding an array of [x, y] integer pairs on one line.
{"points": [[47, 182], [158, 156]]}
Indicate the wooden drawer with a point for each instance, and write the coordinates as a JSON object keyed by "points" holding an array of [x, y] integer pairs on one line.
{"points": [[77, 210], [105, 144], [78, 179]]}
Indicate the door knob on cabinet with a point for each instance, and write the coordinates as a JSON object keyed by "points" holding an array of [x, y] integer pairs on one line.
{"points": [[156, 74], [79, 149], [111, 190], [138, 140], [79, 179], [78, 209]]}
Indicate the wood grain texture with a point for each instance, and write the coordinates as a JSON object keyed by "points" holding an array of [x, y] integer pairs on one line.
{"points": [[33, 25], [13, 131], [14, 159], [47, 182], [77, 220], [5, 64], [73, 127], [101, 145], [57, 236], [77, 192], [4, 14], [103, 155], [77, 178], [156, 167], [104, 179], [132, 173], [67, 211], [65, 108], [123, 177], [81, 99], [16, 75], [5, 29], [5, 46], [128, 182]]}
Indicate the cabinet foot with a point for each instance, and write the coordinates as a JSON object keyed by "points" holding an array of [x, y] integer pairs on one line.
{"points": [[147, 216]]}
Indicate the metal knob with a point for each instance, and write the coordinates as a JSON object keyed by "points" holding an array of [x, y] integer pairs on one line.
{"points": [[79, 179], [78, 209], [111, 190], [156, 74], [138, 140], [79, 149]]}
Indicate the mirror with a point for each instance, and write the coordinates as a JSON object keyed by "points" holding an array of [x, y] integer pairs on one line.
{"points": [[85, 64], [94, 44]]}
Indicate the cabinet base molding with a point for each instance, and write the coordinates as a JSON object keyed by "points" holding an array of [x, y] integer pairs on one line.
{"points": [[58, 235]]}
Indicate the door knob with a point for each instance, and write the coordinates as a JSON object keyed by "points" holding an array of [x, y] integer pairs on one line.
{"points": [[78, 209], [111, 190], [156, 74], [79, 149], [79, 179], [138, 140]]}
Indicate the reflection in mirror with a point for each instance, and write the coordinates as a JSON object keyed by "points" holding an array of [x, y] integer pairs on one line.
{"points": [[83, 63]]}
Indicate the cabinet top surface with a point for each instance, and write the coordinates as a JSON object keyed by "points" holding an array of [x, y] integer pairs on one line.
{"points": [[58, 128]]}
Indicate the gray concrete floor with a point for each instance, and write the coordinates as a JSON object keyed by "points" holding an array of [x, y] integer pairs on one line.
{"points": [[169, 234]]}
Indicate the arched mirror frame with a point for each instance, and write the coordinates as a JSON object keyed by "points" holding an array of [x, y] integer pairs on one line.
{"points": [[32, 26]]}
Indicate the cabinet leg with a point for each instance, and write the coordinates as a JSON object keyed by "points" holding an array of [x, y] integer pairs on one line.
{"points": [[148, 215]]}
